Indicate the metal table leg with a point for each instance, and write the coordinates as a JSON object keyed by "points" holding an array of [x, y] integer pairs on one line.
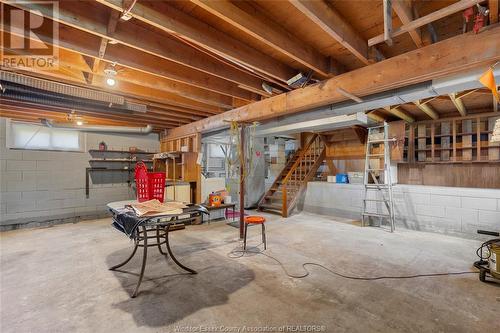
{"points": [[128, 259], [158, 241], [144, 259], [167, 229]]}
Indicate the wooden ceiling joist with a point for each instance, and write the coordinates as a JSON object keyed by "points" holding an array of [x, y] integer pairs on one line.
{"points": [[459, 104], [387, 7], [427, 109], [268, 33], [404, 11], [178, 23], [330, 21], [400, 113], [417, 23], [141, 39], [410, 68]]}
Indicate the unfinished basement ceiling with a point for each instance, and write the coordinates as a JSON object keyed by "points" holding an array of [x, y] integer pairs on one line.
{"points": [[202, 58]]}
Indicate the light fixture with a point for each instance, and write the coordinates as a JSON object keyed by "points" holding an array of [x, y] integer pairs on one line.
{"points": [[79, 122], [110, 81], [110, 73]]}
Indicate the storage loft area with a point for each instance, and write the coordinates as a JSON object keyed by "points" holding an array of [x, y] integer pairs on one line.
{"points": [[250, 166]]}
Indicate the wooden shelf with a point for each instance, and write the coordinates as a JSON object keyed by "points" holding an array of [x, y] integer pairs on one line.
{"points": [[120, 161], [121, 152]]}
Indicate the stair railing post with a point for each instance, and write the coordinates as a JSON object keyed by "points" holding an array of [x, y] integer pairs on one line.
{"points": [[284, 208]]}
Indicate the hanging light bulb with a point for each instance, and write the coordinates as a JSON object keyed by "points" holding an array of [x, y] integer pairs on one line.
{"points": [[79, 122], [110, 72], [110, 81]]}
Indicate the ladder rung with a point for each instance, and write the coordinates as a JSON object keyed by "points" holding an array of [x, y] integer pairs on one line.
{"points": [[381, 140], [375, 169], [376, 186], [376, 214], [370, 155], [377, 200]]}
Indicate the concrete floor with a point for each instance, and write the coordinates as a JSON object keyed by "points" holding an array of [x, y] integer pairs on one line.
{"points": [[56, 280]]}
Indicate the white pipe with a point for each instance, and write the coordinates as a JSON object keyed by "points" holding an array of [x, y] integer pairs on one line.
{"points": [[96, 128]]}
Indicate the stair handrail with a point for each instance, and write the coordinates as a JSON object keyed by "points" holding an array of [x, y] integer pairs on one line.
{"points": [[301, 155]]}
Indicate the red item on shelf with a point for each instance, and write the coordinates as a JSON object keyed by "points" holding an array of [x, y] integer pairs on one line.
{"points": [[150, 185]]}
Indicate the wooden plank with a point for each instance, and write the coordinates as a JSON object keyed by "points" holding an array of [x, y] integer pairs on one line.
{"points": [[478, 139], [146, 62], [421, 143], [427, 109], [493, 147], [405, 14], [454, 136], [269, 33], [142, 39], [445, 141], [400, 113], [387, 7], [332, 22], [493, 7], [439, 14], [467, 140], [411, 144], [476, 175], [433, 133], [459, 104], [409, 68], [178, 23]]}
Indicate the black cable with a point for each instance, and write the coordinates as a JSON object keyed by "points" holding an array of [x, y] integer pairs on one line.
{"points": [[307, 273]]}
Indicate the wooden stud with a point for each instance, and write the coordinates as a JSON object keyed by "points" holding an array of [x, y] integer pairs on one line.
{"points": [[387, 4], [459, 104], [404, 11], [493, 7], [434, 16], [332, 22], [427, 109], [269, 33]]}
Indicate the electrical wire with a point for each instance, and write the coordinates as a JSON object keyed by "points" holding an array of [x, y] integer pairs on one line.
{"points": [[235, 254]]}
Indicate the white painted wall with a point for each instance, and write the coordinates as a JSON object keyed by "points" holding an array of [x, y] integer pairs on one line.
{"points": [[41, 186]]}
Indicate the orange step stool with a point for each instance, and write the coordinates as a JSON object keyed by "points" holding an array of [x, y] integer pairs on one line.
{"points": [[254, 219]]}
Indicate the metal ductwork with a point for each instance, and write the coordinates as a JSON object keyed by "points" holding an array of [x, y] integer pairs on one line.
{"points": [[84, 95], [456, 83], [96, 128]]}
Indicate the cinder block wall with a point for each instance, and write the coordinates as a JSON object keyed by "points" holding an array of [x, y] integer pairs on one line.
{"points": [[48, 187], [452, 210]]}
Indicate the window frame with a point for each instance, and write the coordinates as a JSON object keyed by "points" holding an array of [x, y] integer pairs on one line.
{"points": [[82, 138]]}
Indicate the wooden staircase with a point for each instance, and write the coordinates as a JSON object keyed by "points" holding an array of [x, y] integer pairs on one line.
{"points": [[282, 196]]}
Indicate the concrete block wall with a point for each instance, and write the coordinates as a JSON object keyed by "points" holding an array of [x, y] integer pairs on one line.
{"points": [[450, 210], [48, 187]]}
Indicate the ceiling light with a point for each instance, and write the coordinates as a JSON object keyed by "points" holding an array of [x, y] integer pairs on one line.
{"points": [[110, 81], [110, 73], [79, 122]]}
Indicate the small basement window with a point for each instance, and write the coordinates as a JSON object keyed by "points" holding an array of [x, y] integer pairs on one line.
{"points": [[38, 137]]}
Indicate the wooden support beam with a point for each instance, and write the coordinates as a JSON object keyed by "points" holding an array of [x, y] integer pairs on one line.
{"points": [[404, 11], [332, 22], [400, 113], [439, 14], [375, 117], [143, 40], [269, 33], [178, 23], [387, 5], [493, 7], [459, 104], [395, 72], [427, 109], [148, 65]]}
